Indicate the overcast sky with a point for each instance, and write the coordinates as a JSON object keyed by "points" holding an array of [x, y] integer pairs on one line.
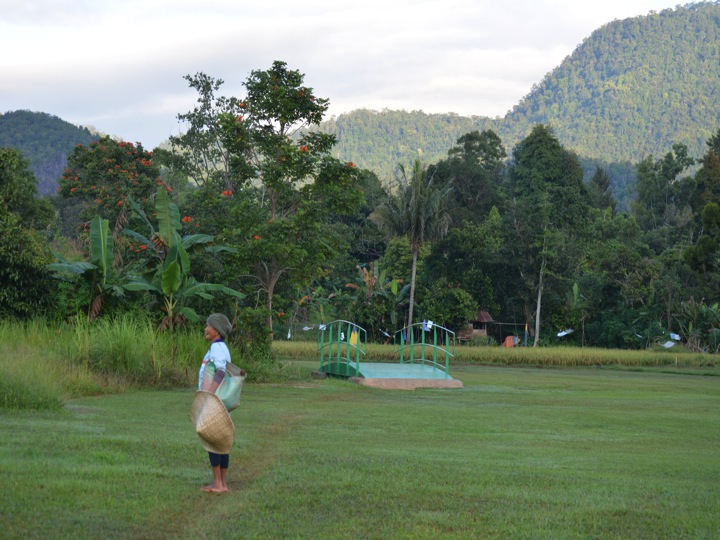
{"points": [[119, 65]]}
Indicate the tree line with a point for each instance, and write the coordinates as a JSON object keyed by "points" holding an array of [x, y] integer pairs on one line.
{"points": [[250, 211]]}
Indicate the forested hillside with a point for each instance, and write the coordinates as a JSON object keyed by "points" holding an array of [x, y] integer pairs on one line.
{"points": [[45, 140], [631, 89]]}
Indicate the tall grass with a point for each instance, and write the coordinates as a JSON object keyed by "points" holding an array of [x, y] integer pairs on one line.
{"points": [[42, 364], [524, 356], [33, 372]]}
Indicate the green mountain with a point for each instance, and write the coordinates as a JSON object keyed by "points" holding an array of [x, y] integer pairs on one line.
{"points": [[45, 141], [631, 89]]}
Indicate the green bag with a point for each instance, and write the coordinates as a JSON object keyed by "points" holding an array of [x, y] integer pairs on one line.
{"points": [[231, 386]]}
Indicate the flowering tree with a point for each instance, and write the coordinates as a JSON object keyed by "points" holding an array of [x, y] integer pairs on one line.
{"points": [[282, 184], [107, 172]]}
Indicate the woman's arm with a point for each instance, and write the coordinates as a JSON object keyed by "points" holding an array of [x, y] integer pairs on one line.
{"points": [[214, 382]]}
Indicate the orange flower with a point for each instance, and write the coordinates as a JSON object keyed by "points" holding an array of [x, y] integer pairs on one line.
{"points": [[256, 237], [119, 203], [304, 148], [186, 219], [350, 164], [281, 314], [226, 193], [143, 247]]}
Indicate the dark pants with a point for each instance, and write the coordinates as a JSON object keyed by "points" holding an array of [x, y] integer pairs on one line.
{"points": [[219, 460]]}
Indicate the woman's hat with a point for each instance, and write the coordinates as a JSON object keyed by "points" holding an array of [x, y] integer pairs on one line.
{"points": [[220, 323], [212, 423]]}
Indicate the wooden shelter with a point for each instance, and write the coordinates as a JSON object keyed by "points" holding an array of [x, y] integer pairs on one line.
{"points": [[477, 327]]}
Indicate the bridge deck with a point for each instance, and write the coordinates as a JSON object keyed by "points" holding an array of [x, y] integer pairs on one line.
{"points": [[400, 376]]}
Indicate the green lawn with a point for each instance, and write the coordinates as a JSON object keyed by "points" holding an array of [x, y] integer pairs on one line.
{"points": [[517, 453]]}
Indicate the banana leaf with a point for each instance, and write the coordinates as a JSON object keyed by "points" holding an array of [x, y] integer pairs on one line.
{"points": [[171, 278], [101, 246], [168, 216]]}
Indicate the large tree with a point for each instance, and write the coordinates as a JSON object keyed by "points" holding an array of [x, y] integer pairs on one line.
{"points": [[474, 166], [546, 215], [281, 184], [199, 152], [703, 255], [663, 207]]}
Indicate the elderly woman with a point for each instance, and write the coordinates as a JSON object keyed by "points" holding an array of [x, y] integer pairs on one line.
{"points": [[212, 373]]}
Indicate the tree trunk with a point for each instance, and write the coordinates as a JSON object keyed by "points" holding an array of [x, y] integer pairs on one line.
{"points": [[412, 286], [539, 302]]}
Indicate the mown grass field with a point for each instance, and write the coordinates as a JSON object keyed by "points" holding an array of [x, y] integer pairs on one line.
{"points": [[519, 452]]}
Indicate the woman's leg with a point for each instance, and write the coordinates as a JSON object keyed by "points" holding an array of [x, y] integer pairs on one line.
{"points": [[224, 465], [219, 483]]}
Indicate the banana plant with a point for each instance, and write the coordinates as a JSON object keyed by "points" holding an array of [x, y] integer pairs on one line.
{"points": [[99, 270], [373, 284], [167, 274]]}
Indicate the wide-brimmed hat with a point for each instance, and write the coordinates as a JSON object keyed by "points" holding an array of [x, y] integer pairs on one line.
{"points": [[212, 423]]}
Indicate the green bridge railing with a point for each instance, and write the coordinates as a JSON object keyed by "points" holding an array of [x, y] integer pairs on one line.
{"points": [[422, 338], [341, 345]]}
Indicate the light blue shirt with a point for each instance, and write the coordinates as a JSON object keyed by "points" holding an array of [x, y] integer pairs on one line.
{"points": [[218, 354]]}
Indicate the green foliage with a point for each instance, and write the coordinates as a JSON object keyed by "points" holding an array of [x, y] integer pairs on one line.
{"points": [[167, 264], [700, 324], [25, 285], [599, 191], [469, 257], [377, 300], [99, 273], [18, 191], [105, 173], [199, 152], [474, 168], [547, 215], [448, 305]]}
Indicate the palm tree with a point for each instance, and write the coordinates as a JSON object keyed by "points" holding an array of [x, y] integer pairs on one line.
{"points": [[417, 210]]}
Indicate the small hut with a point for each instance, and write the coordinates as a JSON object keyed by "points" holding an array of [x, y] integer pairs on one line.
{"points": [[477, 327]]}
